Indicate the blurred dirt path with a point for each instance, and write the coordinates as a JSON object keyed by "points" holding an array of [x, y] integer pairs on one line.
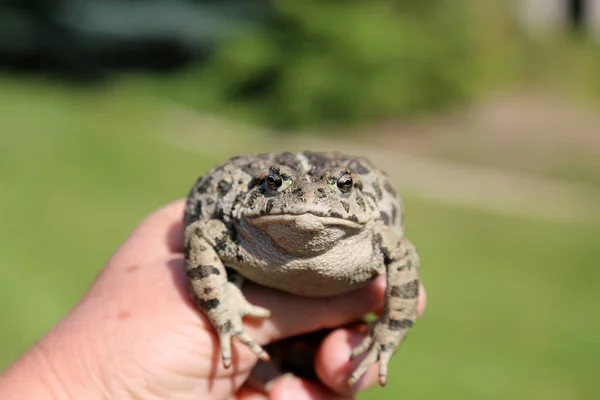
{"points": [[476, 187]]}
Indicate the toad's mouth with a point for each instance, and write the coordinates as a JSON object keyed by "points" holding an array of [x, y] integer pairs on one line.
{"points": [[305, 220]]}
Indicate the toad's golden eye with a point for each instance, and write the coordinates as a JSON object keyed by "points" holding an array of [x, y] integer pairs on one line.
{"points": [[344, 183], [274, 180]]}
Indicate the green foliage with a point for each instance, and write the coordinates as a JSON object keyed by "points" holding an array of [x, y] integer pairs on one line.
{"points": [[334, 61], [507, 55]]}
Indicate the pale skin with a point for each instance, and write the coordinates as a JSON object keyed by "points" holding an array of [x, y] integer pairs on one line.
{"points": [[137, 335]]}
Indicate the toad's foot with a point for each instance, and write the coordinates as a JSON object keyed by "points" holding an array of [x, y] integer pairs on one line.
{"points": [[229, 324], [220, 300], [402, 294], [380, 345]]}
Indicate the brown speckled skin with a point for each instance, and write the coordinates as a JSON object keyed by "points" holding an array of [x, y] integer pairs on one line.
{"points": [[311, 224]]}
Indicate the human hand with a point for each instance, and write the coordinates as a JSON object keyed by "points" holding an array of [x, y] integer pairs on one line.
{"points": [[137, 335]]}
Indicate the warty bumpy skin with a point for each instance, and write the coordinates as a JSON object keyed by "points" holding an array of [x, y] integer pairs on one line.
{"points": [[311, 224]]}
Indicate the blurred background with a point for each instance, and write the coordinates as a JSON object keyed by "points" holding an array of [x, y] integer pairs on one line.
{"points": [[486, 114]]}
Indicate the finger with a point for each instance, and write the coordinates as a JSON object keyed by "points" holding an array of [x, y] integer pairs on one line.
{"points": [[161, 231], [333, 364], [248, 393], [289, 387], [164, 227], [293, 315], [422, 301]]}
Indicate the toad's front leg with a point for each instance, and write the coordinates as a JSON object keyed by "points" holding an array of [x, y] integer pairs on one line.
{"points": [[400, 312], [221, 301]]}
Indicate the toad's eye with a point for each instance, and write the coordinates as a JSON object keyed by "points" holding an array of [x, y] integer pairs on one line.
{"points": [[344, 183], [274, 180]]}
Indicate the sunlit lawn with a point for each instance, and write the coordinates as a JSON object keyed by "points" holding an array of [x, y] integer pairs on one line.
{"points": [[513, 303]]}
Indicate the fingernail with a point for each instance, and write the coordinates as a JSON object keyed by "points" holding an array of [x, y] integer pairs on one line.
{"points": [[380, 281]]}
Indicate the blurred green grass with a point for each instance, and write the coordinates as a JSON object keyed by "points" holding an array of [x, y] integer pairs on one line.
{"points": [[512, 301]]}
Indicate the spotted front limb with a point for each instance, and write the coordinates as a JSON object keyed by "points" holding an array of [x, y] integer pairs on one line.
{"points": [[400, 312], [220, 300]]}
